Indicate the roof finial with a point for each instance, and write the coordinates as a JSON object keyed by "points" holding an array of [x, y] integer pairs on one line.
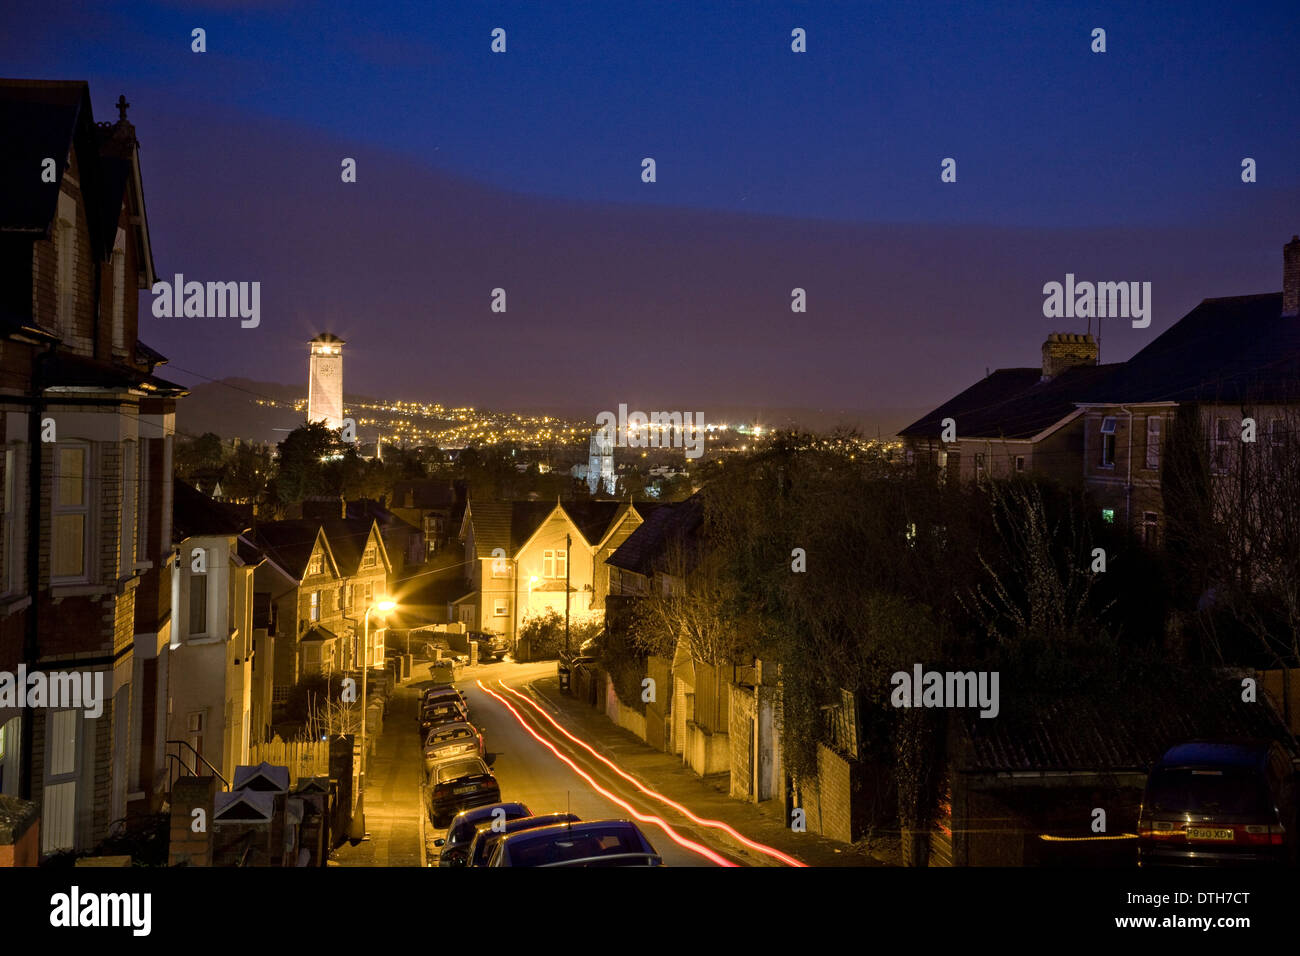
{"points": [[122, 104]]}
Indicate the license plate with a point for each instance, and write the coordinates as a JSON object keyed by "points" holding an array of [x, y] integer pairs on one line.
{"points": [[465, 789], [1210, 833]]}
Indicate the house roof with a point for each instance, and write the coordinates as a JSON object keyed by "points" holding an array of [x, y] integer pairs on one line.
{"points": [[1233, 349], [1080, 734], [288, 543], [1016, 402], [510, 524], [1225, 350], [647, 549], [194, 513], [347, 538], [318, 634], [43, 118], [264, 776]]}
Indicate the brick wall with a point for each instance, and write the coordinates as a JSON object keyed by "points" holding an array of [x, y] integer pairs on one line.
{"points": [[186, 846]]}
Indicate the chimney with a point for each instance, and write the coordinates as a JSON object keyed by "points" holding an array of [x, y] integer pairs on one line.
{"points": [[1064, 350], [1291, 277]]}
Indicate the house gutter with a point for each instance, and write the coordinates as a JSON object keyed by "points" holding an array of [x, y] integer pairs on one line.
{"points": [[1128, 482]]}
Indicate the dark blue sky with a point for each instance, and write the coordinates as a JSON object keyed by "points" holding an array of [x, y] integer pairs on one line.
{"points": [[1127, 162]]}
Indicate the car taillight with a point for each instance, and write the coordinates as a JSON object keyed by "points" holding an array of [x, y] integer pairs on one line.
{"points": [[1260, 835]]}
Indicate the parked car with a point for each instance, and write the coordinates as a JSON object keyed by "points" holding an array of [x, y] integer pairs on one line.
{"points": [[491, 647], [1219, 802], [448, 741], [486, 836], [460, 834], [441, 692], [599, 843], [459, 784], [441, 712]]}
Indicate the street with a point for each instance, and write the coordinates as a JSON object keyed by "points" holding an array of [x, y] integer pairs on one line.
{"points": [[529, 771]]}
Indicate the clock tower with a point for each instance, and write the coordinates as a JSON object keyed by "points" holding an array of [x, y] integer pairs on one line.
{"points": [[325, 381]]}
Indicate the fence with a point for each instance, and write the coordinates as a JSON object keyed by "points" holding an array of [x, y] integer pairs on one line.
{"points": [[304, 758]]}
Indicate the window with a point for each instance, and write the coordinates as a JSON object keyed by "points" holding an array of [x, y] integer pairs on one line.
{"points": [[8, 580], [500, 568], [317, 564], [979, 464], [345, 597], [370, 557], [71, 512], [1153, 442], [1108, 426], [1222, 444], [119, 292], [555, 564], [500, 607], [1108, 515], [198, 605], [1276, 443], [1150, 523], [130, 475], [370, 593], [1020, 462], [315, 606], [66, 251]]}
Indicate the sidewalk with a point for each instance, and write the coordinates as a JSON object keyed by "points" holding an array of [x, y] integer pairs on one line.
{"points": [[394, 776], [706, 797]]}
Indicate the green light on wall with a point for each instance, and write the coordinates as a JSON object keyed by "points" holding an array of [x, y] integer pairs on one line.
{"points": [[1108, 515]]}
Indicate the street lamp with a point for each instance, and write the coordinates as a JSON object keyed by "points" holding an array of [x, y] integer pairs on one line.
{"points": [[357, 832]]}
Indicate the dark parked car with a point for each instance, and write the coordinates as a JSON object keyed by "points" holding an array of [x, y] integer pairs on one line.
{"points": [[441, 712], [448, 741], [440, 692], [1217, 803], [486, 836], [600, 843], [465, 825], [458, 785], [491, 647]]}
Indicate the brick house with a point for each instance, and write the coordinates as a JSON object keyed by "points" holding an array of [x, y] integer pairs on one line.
{"points": [[319, 577], [86, 553], [1105, 426]]}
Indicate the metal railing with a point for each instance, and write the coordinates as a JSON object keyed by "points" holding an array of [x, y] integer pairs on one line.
{"points": [[176, 760]]}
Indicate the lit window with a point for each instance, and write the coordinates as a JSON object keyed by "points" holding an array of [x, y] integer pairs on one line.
{"points": [[71, 512], [315, 606], [1108, 427], [1108, 515], [500, 607]]}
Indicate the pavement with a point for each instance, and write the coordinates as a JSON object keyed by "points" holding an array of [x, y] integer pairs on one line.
{"points": [[393, 804]]}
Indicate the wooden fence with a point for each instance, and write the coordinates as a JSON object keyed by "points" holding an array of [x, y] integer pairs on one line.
{"points": [[304, 758]]}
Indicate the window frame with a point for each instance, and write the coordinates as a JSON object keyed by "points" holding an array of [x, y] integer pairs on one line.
{"points": [[1155, 430], [84, 510]]}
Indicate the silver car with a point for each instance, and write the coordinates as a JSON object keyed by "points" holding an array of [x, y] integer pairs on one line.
{"points": [[458, 739]]}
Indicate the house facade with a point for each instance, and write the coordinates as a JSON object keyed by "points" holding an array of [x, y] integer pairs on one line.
{"points": [[86, 558]]}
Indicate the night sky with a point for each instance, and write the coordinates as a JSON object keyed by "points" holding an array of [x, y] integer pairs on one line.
{"points": [[775, 170]]}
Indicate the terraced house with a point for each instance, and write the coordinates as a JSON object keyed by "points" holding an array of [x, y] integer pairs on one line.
{"points": [[86, 553], [319, 577]]}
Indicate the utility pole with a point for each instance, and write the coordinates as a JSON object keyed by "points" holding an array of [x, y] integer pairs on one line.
{"points": [[568, 544]]}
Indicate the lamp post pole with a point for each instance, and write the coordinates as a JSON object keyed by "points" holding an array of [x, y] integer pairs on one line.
{"points": [[358, 828]]}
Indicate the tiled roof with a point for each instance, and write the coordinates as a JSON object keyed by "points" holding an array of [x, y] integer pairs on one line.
{"points": [[509, 524], [194, 513], [40, 119], [1015, 402], [288, 543], [1077, 733], [666, 526], [1231, 349]]}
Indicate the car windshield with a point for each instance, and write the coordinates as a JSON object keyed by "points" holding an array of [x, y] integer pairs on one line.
{"points": [[557, 847], [447, 736], [1206, 791]]}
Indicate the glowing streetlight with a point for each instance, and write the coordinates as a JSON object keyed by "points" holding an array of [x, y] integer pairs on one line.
{"points": [[357, 832]]}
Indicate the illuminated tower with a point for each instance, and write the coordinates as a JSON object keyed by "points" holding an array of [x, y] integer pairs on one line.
{"points": [[325, 381], [600, 463]]}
